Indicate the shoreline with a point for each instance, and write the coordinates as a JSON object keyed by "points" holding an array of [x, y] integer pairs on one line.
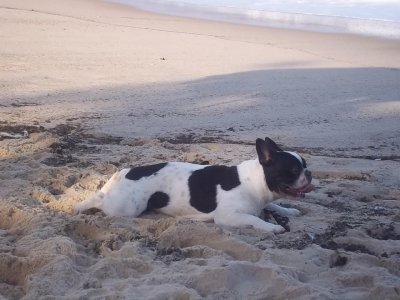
{"points": [[312, 22]]}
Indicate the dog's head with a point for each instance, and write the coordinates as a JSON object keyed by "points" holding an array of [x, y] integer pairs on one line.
{"points": [[285, 172]]}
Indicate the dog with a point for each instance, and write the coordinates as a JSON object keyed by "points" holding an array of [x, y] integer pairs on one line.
{"points": [[227, 195]]}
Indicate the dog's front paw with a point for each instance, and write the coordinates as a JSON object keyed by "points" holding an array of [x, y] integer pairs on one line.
{"points": [[293, 212], [278, 229]]}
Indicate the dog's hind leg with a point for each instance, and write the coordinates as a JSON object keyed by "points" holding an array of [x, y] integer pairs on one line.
{"points": [[96, 201]]}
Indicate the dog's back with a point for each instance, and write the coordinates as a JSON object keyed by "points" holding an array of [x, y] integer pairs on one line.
{"points": [[130, 192]]}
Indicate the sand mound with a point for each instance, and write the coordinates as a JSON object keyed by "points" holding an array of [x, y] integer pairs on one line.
{"points": [[345, 245]]}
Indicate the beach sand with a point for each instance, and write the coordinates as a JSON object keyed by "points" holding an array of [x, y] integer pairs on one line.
{"points": [[98, 86]]}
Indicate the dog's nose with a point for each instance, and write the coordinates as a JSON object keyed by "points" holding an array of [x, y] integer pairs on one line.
{"points": [[308, 175]]}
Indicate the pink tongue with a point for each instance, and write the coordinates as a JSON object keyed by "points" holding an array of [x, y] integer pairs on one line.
{"points": [[306, 189], [301, 191]]}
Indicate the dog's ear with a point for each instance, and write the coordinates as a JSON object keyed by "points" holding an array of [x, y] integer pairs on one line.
{"points": [[265, 150], [272, 144]]}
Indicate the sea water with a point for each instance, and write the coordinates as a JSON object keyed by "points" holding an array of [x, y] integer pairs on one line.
{"points": [[367, 17]]}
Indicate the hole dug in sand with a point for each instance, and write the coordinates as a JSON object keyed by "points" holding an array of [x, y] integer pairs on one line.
{"points": [[385, 231], [245, 280], [59, 189], [189, 233]]}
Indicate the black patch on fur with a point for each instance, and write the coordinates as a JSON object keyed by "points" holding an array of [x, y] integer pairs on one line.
{"points": [[272, 145], [144, 171], [266, 150], [304, 163], [203, 186], [157, 200], [283, 170]]}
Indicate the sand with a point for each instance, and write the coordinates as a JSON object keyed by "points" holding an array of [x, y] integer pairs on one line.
{"points": [[100, 86]]}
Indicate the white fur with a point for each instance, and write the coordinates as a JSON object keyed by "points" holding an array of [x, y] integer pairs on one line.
{"points": [[295, 155]]}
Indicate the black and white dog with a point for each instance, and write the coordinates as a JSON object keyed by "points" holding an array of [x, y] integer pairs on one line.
{"points": [[231, 196]]}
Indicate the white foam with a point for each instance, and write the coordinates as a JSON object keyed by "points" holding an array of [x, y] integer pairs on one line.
{"points": [[367, 17]]}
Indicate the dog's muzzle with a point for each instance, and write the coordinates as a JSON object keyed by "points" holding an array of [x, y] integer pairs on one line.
{"points": [[300, 192]]}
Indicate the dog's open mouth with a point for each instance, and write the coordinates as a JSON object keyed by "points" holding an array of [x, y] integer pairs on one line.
{"points": [[300, 192]]}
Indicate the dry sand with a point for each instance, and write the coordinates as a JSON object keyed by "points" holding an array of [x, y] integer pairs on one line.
{"points": [[99, 86]]}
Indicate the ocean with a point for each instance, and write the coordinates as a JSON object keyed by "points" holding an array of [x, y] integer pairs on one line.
{"points": [[366, 17]]}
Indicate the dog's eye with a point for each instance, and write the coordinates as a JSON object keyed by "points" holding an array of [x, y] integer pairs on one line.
{"points": [[296, 171]]}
